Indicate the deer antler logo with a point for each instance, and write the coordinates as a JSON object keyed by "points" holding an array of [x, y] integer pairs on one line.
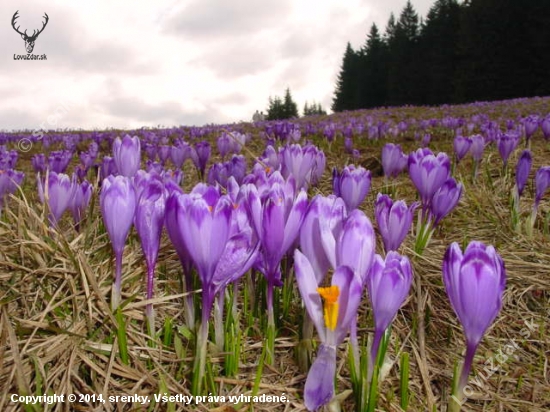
{"points": [[29, 40]]}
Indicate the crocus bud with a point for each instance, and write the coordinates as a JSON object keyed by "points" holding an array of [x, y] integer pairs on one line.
{"points": [[522, 170], [531, 124], [394, 220], [388, 283], [445, 199], [352, 185], [542, 182], [394, 161], [461, 146], [474, 282], [127, 155], [545, 126], [506, 143], [59, 193], [477, 147], [82, 193], [118, 205]]}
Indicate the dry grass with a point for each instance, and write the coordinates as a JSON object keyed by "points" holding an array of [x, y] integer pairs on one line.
{"points": [[57, 329]]}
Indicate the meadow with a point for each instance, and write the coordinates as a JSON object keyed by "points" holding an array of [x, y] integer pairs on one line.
{"points": [[64, 330]]}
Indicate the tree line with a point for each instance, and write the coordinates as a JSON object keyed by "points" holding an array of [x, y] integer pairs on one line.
{"points": [[462, 51]]}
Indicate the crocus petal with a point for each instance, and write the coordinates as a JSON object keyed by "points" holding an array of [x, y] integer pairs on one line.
{"points": [[319, 388], [307, 284]]}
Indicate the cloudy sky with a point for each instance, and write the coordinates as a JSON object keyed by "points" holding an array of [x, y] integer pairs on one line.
{"points": [[129, 64]]}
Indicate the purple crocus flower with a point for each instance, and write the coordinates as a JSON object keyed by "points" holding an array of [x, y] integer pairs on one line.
{"points": [[545, 126], [477, 147], [179, 153], [59, 160], [428, 172], [445, 200], [149, 221], [474, 282], [176, 237], [352, 185], [82, 193], [461, 146], [164, 153], [39, 163], [506, 143], [542, 182], [224, 144], [332, 321], [394, 161], [57, 191], [127, 155], [353, 246], [108, 167], [530, 124], [388, 283], [9, 181], [394, 220], [523, 168], [324, 212], [204, 220], [200, 156], [118, 206], [302, 164]]}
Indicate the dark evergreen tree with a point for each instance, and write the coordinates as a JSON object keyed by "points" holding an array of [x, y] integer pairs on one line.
{"points": [[346, 94], [403, 66], [290, 109], [373, 71], [275, 111], [438, 57], [314, 109]]}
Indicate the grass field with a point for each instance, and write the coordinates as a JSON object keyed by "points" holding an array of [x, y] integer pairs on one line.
{"points": [[58, 334]]}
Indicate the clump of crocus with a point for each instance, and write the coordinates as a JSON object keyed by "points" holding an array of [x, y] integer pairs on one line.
{"points": [[127, 155], [352, 185], [388, 283], [306, 164], [277, 211], [332, 309], [118, 206], [57, 191], [149, 220], [59, 160], [204, 220], [474, 282], [394, 220], [428, 172]]}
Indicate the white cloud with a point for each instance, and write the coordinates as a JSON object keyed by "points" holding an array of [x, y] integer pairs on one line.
{"points": [[143, 63]]}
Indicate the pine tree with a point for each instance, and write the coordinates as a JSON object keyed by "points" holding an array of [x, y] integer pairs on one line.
{"points": [[373, 68], [438, 46], [345, 95], [290, 109]]}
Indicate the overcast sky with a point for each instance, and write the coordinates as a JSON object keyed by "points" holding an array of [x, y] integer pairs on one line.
{"points": [[128, 64]]}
